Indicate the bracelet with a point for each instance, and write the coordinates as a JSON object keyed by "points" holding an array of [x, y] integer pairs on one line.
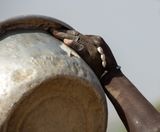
{"points": [[103, 57], [116, 69]]}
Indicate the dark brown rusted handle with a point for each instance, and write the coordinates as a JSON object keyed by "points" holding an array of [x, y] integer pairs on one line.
{"points": [[30, 24]]}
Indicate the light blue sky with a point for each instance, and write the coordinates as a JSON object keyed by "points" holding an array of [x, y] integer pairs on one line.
{"points": [[131, 28]]}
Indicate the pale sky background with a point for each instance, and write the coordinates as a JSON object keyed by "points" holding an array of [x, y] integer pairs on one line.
{"points": [[130, 27]]}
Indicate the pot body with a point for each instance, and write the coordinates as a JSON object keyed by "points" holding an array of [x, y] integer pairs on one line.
{"points": [[46, 87]]}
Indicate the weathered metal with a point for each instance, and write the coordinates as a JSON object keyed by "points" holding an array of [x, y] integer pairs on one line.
{"points": [[46, 87]]}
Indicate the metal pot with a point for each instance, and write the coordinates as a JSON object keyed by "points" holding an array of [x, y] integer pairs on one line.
{"points": [[44, 85]]}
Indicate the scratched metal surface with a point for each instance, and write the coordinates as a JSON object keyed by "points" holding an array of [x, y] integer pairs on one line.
{"points": [[28, 59]]}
